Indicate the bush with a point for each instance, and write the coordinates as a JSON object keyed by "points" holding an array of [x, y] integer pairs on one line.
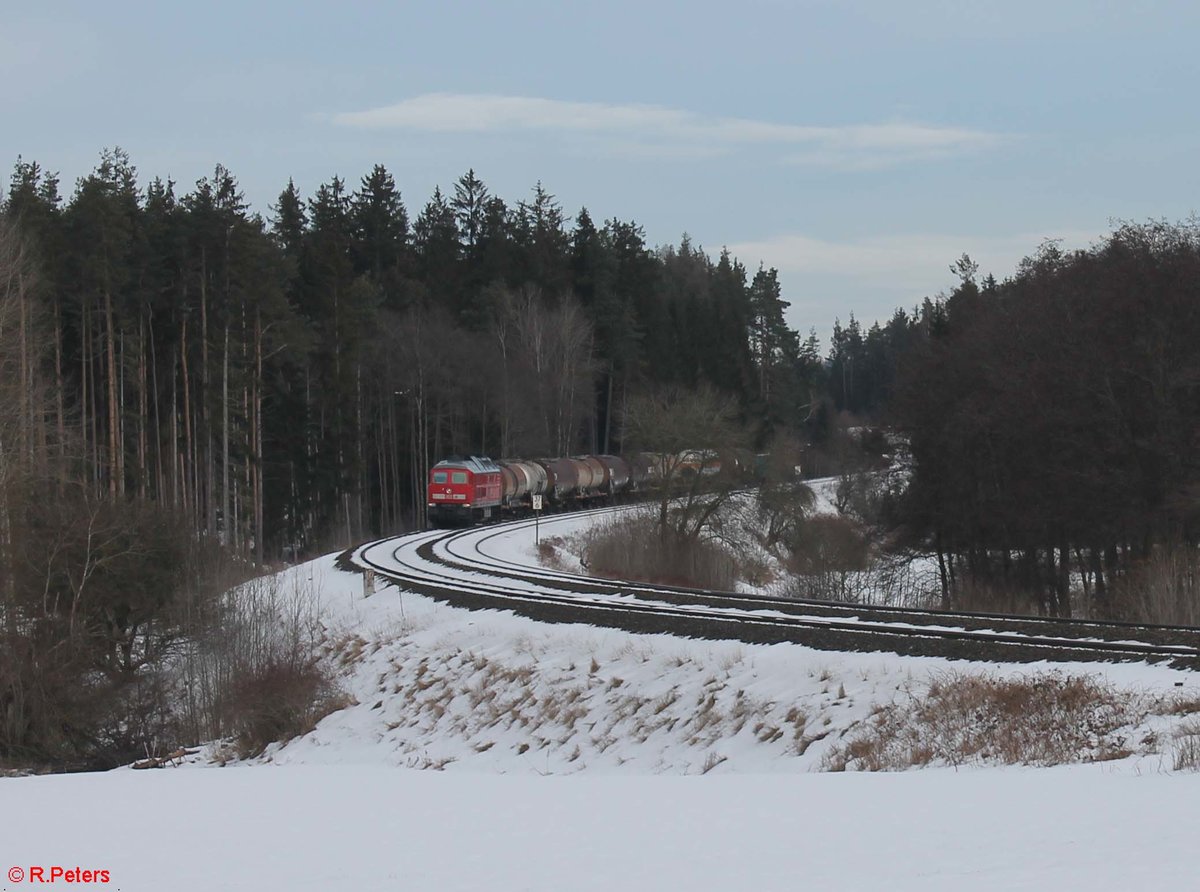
{"points": [[824, 554], [278, 701], [88, 618], [1187, 747], [252, 670], [634, 547]]}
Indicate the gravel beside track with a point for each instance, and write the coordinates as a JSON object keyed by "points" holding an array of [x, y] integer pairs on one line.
{"points": [[454, 567]]}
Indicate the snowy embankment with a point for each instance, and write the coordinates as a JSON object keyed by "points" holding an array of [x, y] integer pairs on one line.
{"points": [[508, 707]]}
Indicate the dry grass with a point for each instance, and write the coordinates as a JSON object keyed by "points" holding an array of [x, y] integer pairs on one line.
{"points": [[632, 546], [1046, 719], [348, 650], [550, 553], [576, 713], [1163, 589], [1179, 704], [1187, 747], [280, 701]]}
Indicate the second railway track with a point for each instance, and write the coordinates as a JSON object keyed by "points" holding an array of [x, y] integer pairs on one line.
{"points": [[453, 566]]}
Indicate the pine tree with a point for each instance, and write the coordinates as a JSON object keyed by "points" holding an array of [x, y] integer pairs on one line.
{"points": [[102, 225], [469, 204], [542, 238], [379, 223], [435, 235]]}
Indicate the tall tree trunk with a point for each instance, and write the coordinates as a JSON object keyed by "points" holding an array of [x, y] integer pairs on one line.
{"points": [[121, 413], [160, 479], [176, 454], [191, 494], [59, 387], [114, 468], [143, 410], [227, 517], [24, 444], [257, 450], [208, 498], [83, 386]]}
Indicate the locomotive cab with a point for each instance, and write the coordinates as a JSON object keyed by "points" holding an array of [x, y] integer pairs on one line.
{"points": [[463, 491]]}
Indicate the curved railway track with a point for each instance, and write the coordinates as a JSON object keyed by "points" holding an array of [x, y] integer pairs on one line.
{"points": [[456, 567]]}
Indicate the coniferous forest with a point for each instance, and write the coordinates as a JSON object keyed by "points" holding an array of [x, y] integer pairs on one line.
{"points": [[285, 381], [280, 384], [185, 381]]}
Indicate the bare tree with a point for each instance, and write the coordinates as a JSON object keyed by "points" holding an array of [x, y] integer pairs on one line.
{"points": [[784, 500], [547, 353], [689, 438]]}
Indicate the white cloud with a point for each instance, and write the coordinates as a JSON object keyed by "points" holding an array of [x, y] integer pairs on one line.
{"points": [[903, 261], [871, 277], [658, 130]]}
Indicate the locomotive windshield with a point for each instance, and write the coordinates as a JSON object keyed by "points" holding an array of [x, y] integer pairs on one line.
{"points": [[439, 476], [458, 477]]}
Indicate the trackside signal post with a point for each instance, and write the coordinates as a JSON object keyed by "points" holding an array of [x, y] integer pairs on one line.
{"points": [[537, 516]]}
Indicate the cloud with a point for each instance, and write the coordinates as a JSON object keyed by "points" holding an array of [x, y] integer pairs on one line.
{"points": [[656, 130], [825, 279], [912, 262]]}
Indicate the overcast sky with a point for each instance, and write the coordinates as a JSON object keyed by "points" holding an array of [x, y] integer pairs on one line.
{"points": [[858, 147]]}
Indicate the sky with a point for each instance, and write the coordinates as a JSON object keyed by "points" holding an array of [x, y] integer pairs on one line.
{"points": [[859, 148]]}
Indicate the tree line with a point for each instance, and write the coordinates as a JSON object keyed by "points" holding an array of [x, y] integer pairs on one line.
{"points": [[1053, 421], [284, 382], [183, 379], [185, 382]]}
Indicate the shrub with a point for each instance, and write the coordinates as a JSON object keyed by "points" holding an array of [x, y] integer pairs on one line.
{"points": [[278, 701], [824, 554], [253, 669], [634, 547], [88, 610]]}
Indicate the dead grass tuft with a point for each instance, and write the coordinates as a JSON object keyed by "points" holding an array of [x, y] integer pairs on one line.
{"points": [[550, 554], [1187, 747], [349, 650], [1045, 719]]}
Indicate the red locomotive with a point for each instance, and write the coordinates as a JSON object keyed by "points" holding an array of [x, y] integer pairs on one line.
{"points": [[463, 490]]}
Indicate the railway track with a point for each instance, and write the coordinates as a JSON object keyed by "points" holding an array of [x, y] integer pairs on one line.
{"points": [[458, 568]]}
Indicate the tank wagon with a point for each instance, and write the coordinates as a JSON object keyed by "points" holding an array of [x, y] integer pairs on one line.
{"points": [[477, 489]]}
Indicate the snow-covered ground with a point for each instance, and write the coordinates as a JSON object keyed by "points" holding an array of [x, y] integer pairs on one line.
{"points": [[580, 758], [373, 828]]}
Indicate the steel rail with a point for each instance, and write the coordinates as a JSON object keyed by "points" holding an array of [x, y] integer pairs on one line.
{"points": [[451, 566]]}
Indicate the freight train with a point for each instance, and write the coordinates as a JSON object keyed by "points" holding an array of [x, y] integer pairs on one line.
{"points": [[476, 489]]}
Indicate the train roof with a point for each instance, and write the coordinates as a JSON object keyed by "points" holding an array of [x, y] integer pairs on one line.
{"points": [[478, 464]]}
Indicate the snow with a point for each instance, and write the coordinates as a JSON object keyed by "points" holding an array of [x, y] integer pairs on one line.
{"points": [[322, 828], [580, 758]]}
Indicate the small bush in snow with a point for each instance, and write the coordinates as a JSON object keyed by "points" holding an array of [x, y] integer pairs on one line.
{"points": [[278, 701], [1187, 747]]}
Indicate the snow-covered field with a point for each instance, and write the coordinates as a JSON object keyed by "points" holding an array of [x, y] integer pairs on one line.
{"points": [[579, 758], [372, 828]]}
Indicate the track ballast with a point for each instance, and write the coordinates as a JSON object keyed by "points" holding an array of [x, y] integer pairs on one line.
{"points": [[451, 566]]}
